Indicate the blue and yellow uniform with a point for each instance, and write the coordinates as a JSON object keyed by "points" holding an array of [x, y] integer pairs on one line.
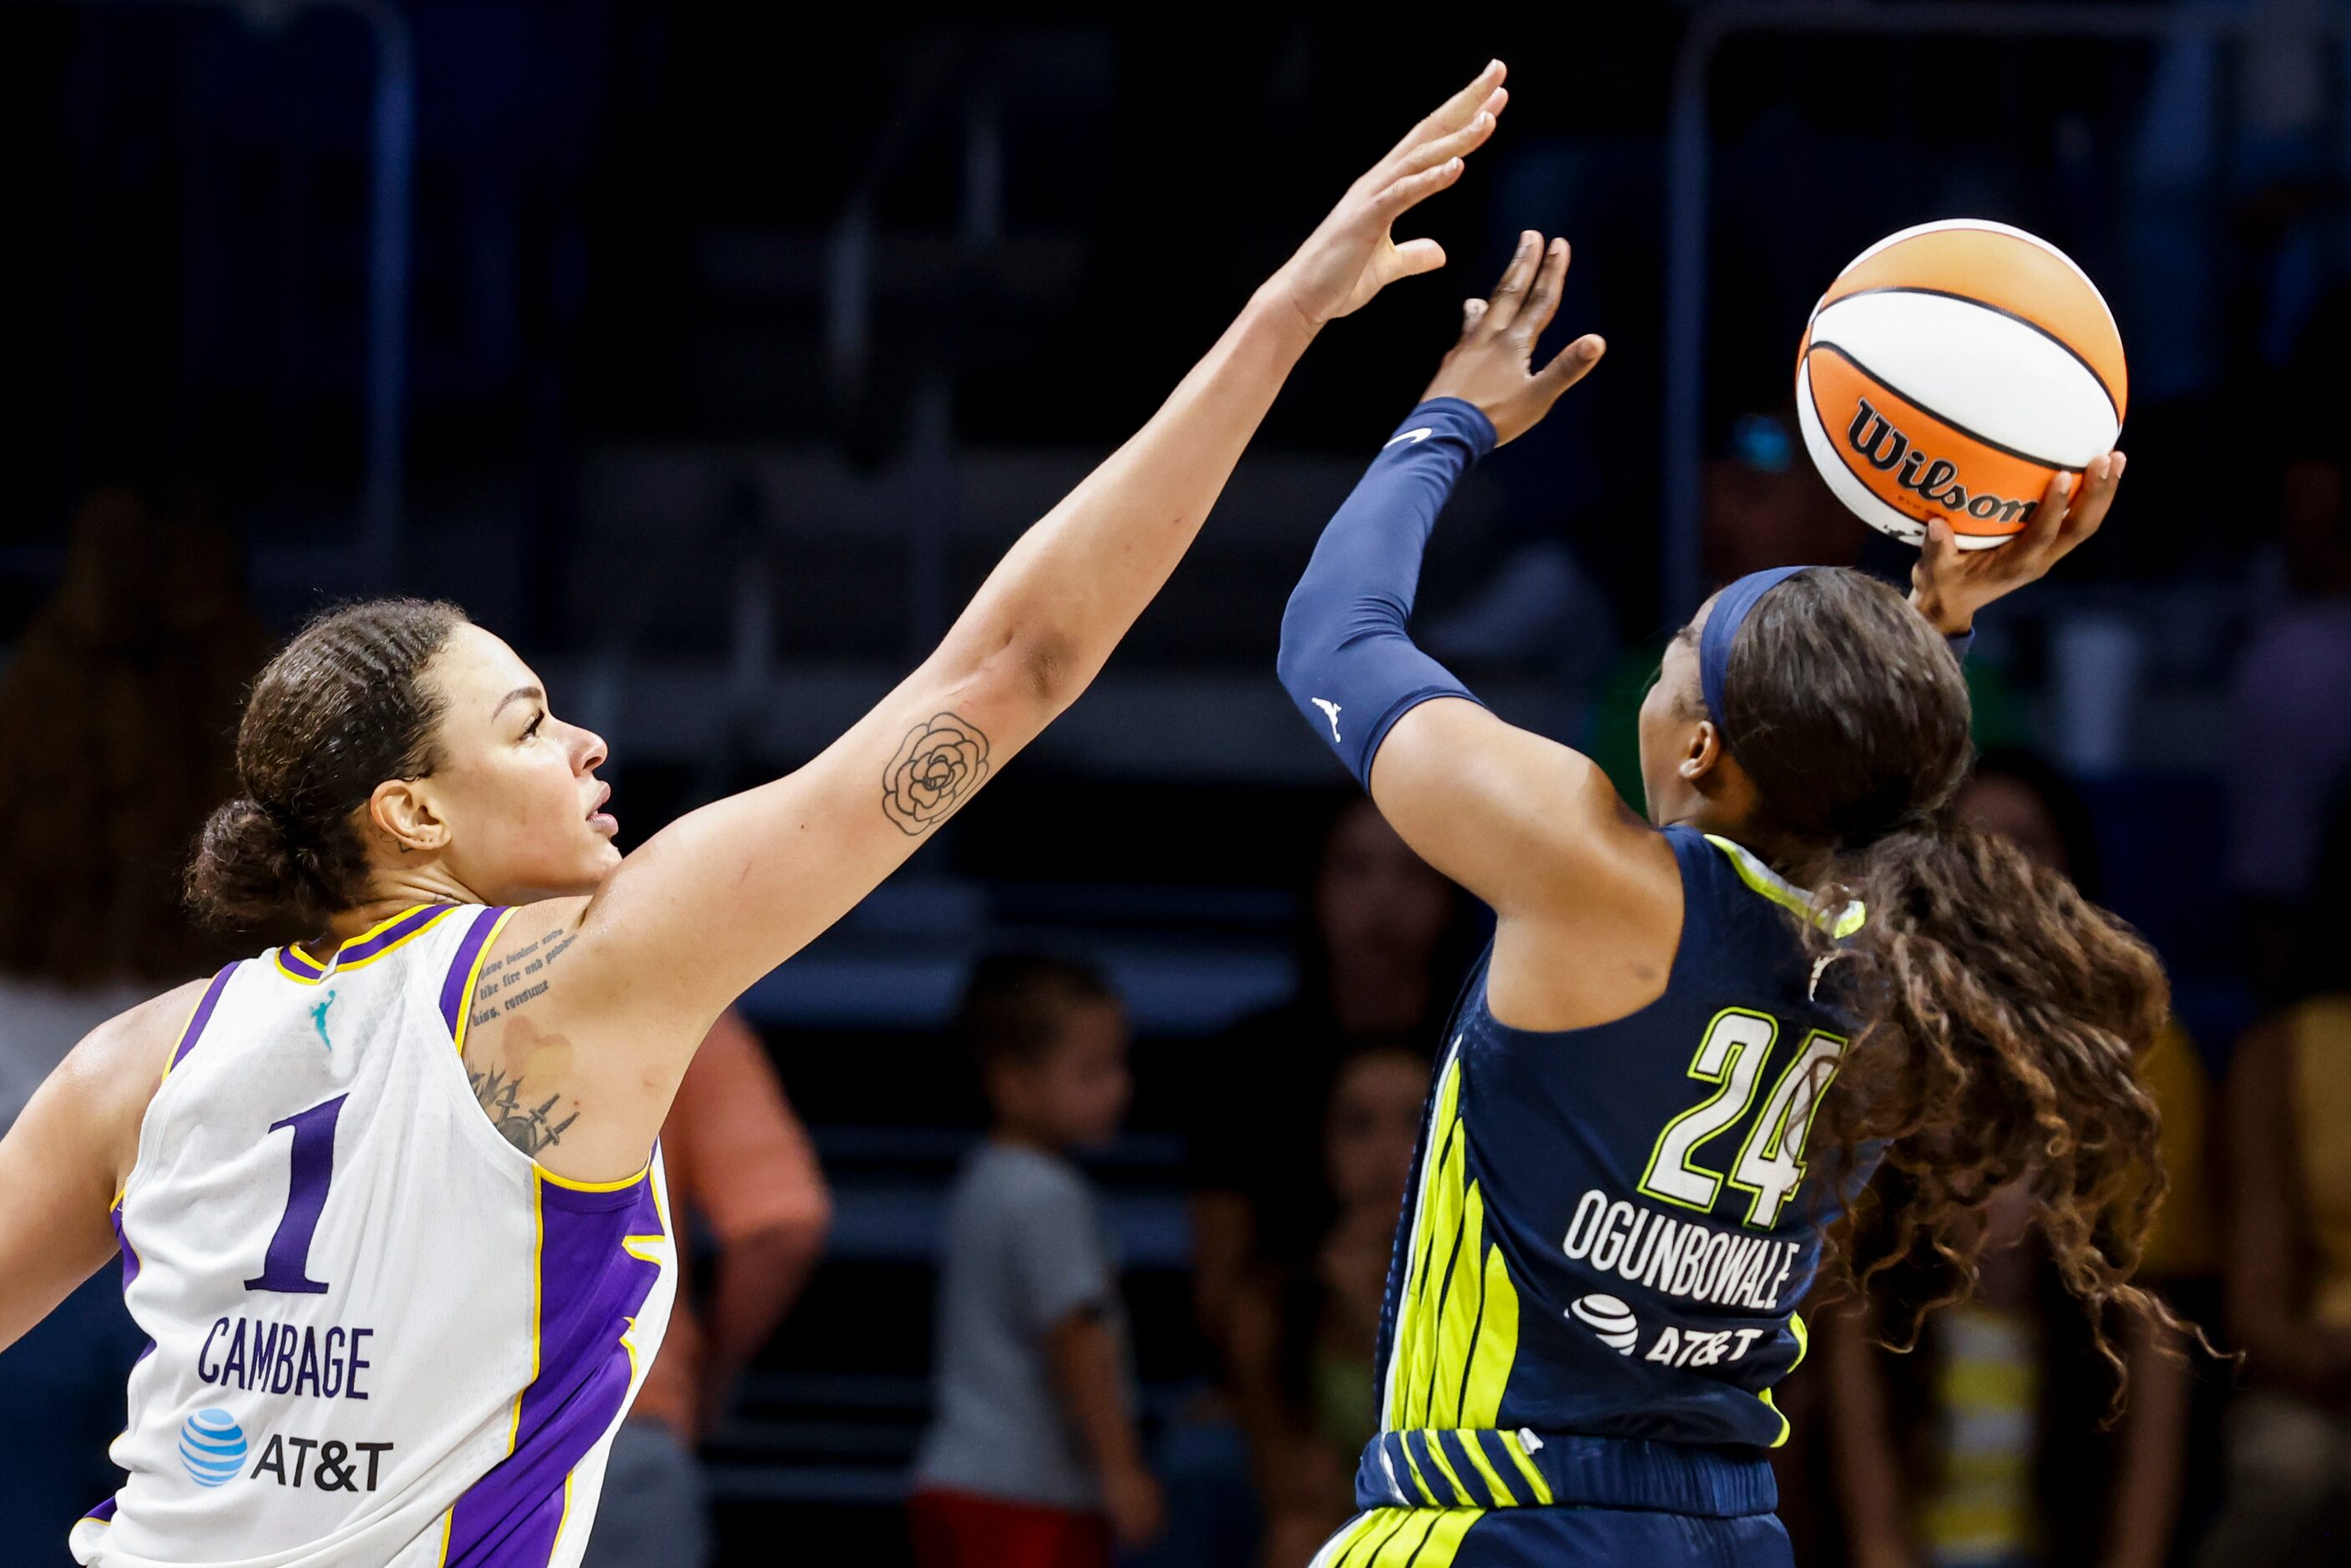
{"points": [[1595, 1284], [1594, 1287]]}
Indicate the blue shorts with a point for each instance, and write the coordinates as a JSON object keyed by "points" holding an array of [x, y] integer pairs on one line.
{"points": [[1559, 1537]]}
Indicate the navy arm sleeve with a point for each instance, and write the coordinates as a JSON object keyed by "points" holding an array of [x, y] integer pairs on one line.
{"points": [[1347, 659]]}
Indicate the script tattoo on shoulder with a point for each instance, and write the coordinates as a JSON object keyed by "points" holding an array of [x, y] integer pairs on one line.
{"points": [[510, 982], [517, 978], [526, 1127], [942, 759]]}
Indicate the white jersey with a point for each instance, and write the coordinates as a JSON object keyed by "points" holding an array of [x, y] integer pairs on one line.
{"points": [[382, 1336]]}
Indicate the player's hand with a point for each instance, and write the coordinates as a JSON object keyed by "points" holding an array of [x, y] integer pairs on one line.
{"points": [[1137, 1509], [1948, 585], [1352, 256], [1493, 364]]}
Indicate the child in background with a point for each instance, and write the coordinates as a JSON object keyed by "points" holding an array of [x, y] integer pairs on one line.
{"points": [[1033, 1459]]}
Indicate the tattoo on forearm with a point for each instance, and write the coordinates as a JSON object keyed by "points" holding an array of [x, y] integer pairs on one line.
{"points": [[528, 1130], [941, 760]]}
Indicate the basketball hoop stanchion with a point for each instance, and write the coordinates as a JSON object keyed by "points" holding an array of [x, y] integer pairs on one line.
{"points": [[1688, 165]]}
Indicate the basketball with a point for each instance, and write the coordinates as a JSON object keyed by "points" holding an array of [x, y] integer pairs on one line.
{"points": [[1948, 371]]}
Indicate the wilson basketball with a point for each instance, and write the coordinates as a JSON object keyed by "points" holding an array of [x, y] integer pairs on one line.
{"points": [[1947, 372]]}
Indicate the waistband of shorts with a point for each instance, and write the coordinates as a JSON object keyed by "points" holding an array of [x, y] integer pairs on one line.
{"points": [[1461, 1468]]}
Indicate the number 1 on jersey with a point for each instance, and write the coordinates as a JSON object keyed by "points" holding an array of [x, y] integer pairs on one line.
{"points": [[286, 1267]]}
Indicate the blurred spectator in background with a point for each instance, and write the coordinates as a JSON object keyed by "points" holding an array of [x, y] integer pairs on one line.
{"points": [[1984, 1448], [744, 1184], [1382, 953], [1765, 505], [1034, 1455], [118, 718], [2290, 745], [1305, 1332], [2288, 1183]]}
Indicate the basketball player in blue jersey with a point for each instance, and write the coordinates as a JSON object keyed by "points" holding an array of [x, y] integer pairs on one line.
{"points": [[1634, 1149], [392, 1214]]}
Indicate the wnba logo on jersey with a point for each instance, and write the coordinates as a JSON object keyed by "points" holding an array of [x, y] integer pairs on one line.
{"points": [[212, 1447]]}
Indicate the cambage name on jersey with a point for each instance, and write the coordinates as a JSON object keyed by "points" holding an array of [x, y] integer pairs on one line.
{"points": [[1679, 1257], [280, 1358]]}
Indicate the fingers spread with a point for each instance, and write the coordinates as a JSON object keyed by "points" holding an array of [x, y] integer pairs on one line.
{"points": [[1466, 139], [1511, 292], [2099, 482], [1543, 300], [1419, 256], [1472, 311], [1941, 552], [2041, 530], [1456, 111], [1400, 196], [1573, 363]]}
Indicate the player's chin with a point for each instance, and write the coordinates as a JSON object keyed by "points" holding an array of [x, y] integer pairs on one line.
{"points": [[593, 861]]}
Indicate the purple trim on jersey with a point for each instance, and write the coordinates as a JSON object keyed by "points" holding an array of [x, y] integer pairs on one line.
{"points": [[103, 1512], [590, 1288], [299, 962], [461, 968], [130, 1268], [204, 1013], [130, 1254], [399, 930]]}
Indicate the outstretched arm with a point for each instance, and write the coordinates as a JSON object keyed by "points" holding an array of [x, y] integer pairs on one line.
{"points": [[727, 893], [1509, 814]]}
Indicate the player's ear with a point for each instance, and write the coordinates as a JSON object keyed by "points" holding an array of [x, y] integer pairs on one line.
{"points": [[1703, 752], [402, 810]]}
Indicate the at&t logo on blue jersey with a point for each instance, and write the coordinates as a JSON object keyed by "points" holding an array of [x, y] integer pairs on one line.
{"points": [[213, 1447]]}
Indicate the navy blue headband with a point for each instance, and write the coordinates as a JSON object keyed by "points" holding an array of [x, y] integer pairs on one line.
{"points": [[1723, 623]]}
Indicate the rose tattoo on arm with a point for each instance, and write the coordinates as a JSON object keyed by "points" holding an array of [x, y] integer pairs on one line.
{"points": [[941, 760]]}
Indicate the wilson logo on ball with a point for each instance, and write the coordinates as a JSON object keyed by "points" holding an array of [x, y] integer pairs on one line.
{"points": [[1884, 448], [1950, 373]]}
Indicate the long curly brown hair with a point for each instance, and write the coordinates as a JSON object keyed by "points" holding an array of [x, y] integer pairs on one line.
{"points": [[2002, 1017]]}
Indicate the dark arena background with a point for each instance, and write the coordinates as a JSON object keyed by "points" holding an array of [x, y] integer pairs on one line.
{"points": [[712, 354]]}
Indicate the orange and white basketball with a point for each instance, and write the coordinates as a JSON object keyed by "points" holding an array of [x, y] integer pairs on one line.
{"points": [[1948, 370]]}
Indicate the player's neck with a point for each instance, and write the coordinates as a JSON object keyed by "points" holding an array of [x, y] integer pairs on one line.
{"points": [[392, 892], [1790, 857]]}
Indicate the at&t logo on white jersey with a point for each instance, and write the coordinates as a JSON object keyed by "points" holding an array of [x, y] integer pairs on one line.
{"points": [[212, 1447]]}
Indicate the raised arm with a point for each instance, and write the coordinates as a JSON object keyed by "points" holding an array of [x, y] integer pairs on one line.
{"points": [[1512, 816], [727, 893], [1532, 826]]}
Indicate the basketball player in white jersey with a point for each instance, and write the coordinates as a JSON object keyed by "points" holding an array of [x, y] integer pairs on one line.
{"points": [[387, 1199]]}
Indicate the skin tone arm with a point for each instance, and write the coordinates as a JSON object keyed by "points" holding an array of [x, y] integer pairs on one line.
{"points": [[689, 921], [756, 1282], [1868, 1482], [1224, 1235], [69, 1153], [1535, 829], [1083, 1356], [2150, 1469]]}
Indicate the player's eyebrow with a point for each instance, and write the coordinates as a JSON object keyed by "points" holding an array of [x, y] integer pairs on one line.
{"points": [[520, 694]]}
